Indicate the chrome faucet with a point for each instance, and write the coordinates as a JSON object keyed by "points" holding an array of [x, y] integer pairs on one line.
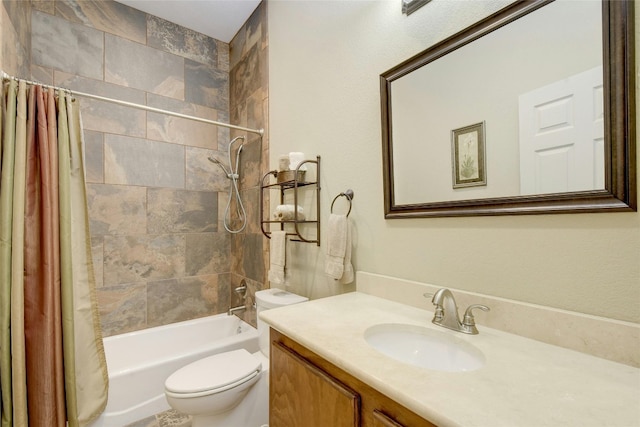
{"points": [[446, 313]]}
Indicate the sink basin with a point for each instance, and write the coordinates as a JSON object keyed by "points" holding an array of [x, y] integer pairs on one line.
{"points": [[425, 347]]}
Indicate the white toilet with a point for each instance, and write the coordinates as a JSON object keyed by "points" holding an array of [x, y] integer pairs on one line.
{"points": [[229, 389]]}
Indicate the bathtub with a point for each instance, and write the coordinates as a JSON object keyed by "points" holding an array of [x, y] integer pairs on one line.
{"points": [[139, 362]]}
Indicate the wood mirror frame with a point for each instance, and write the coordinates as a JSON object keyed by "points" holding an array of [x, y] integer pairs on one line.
{"points": [[619, 194]]}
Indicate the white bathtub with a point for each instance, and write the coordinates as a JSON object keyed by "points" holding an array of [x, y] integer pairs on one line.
{"points": [[139, 362]]}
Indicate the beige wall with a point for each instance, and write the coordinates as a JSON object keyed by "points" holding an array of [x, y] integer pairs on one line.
{"points": [[324, 63]]}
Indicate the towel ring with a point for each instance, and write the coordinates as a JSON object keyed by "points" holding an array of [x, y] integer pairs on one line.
{"points": [[348, 195]]}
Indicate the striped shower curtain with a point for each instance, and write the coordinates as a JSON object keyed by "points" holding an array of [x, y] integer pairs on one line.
{"points": [[52, 365]]}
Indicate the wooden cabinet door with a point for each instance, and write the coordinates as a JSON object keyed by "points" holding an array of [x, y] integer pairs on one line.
{"points": [[382, 420], [300, 394]]}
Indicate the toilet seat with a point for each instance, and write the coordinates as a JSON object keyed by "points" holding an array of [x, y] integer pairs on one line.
{"points": [[213, 374]]}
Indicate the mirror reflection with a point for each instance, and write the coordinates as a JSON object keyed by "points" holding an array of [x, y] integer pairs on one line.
{"points": [[517, 112]]}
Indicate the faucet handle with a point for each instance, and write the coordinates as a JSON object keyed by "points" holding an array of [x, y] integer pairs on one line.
{"points": [[468, 319]]}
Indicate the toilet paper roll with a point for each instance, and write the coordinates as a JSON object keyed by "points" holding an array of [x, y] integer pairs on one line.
{"points": [[295, 158], [286, 213]]}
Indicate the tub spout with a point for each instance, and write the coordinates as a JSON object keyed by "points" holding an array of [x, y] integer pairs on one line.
{"points": [[233, 310]]}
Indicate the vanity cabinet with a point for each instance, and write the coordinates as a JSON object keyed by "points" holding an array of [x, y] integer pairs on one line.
{"points": [[306, 390]]}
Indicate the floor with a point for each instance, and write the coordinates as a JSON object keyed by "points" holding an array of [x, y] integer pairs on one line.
{"points": [[164, 419]]}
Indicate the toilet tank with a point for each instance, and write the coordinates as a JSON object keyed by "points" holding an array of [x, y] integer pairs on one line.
{"points": [[272, 298]]}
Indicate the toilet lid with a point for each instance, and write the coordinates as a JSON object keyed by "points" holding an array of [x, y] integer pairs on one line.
{"points": [[213, 372]]}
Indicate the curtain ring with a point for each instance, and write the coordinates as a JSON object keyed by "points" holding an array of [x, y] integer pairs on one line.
{"points": [[348, 195]]}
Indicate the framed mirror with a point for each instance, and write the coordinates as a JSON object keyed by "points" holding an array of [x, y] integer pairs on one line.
{"points": [[529, 111]]}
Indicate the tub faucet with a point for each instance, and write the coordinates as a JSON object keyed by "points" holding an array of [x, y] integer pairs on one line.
{"points": [[446, 313], [233, 310]]}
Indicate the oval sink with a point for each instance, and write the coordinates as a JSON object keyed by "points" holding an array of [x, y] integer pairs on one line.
{"points": [[424, 347]]}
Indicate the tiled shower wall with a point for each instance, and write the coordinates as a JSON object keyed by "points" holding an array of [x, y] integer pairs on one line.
{"points": [[249, 99], [156, 203]]}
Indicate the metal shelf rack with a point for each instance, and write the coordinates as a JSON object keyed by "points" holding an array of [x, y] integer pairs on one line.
{"points": [[293, 185]]}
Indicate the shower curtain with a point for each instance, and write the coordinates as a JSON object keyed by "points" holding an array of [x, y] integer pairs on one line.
{"points": [[52, 364]]}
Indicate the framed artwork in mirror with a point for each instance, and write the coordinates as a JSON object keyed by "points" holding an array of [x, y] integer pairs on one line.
{"points": [[468, 154]]}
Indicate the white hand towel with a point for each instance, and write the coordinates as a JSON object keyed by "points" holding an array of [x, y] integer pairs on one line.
{"points": [[338, 264], [277, 255], [347, 275]]}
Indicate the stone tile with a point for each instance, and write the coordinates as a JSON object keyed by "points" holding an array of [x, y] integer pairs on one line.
{"points": [[19, 14], [122, 308], [42, 75], [104, 116], [97, 252], [204, 175], [207, 253], [234, 216], [224, 134], [245, 77], [181, 211], [206, 85], [129, 259], [265, 125], [237, 47], [116, 209], [250, 315], [223, 197], [59, 44], [176, 39], [253, 33], [167, 128], [15, 56], [251, 201], [98, 87], [224, 292], [255, 112], [134, 65], [250, 161], [133, 161], [223, 56], [180, 106], [109, 16], [181, 299], [238, 112], [256, 25], [47, 6], [94, 157], [247, 257], [216, 291]]}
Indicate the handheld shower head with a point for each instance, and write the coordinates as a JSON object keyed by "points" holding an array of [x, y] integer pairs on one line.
{"points": [[219, 163], [233, 173]]}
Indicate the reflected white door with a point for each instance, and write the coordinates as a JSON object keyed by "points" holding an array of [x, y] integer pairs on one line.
{"points": [[562, 136]]}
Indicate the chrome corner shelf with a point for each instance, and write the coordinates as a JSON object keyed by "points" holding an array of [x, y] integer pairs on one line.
{"points": [[293, 185]]}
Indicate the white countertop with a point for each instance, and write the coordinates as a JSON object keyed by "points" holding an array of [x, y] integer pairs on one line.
{"points": [[524, 382]]}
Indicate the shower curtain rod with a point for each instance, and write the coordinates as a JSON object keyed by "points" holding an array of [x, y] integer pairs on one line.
{"points": [[260, 132]]}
